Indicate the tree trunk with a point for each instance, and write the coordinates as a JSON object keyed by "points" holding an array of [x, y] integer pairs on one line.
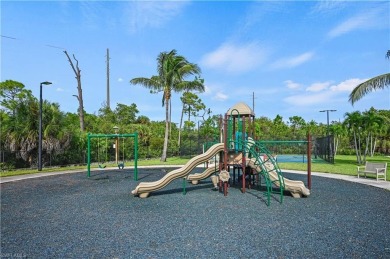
{"points": [[165, 148], [77, 73], [180, 126], [367, 147], [372, 145], [356, 148], [359, 143], [170, 118], [373, 148], [336, 144], [81, 104]]}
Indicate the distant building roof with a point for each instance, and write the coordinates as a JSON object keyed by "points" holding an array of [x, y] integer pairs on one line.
{"points": [[242, 108]]}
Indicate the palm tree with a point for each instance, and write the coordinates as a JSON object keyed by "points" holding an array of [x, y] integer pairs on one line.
{"points": [[172, 69], [375, 83], [353, 123]]}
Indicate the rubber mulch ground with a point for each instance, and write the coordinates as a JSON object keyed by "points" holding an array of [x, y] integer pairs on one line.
{"points": [[71, 216]]}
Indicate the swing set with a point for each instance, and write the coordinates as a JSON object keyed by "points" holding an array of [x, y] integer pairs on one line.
{"points": [[121, 164], [101, 165]]}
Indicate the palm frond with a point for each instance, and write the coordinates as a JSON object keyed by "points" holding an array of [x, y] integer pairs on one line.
{"points": [[378, 82], [152, 83]]}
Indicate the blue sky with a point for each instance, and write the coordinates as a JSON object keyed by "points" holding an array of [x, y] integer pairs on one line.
{"points": [[297, 57]]}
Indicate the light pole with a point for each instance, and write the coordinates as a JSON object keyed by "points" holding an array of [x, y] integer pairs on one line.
{"points": [[327, 133], [40, 126], [116, 128]]}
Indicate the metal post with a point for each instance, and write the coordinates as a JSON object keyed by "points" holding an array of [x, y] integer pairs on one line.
{"points": [[40, 130], [309, 160], [116, 128], [40, 126], [327, 134], [89, 155]]}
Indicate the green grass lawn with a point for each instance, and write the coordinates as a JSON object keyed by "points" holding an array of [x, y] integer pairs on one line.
{"points": [[345, 165]]}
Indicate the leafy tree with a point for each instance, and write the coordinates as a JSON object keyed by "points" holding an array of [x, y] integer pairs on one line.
{"points": [[263, 128], [280, 129], [192, 104], [172, 69], [297, 123], [375, 83], [143, 120], [21, 125], [338, 131], [209, 130], [12, 93], [126, 114]]}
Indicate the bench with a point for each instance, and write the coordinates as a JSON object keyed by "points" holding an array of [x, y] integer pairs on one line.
{"points": [[378, 169]]}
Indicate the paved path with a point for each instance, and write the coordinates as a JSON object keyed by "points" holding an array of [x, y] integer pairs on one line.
{"points": [[367, 181]]}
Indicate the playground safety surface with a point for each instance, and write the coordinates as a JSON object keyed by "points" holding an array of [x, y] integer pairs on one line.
{"points": [[72, 216]]}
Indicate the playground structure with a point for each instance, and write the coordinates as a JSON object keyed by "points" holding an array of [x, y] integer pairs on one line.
{"points": [[120, 164], [238, 150]]}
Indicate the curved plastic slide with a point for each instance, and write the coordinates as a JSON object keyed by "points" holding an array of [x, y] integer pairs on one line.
{"points": [[145, 188], [195, 178], [296, 188]]}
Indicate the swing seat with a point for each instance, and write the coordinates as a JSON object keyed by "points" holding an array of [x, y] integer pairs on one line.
{"points": [[121, 165], [102, 166]]}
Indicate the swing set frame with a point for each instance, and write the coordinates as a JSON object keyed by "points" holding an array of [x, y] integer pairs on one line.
{"points": [[113, 136]]}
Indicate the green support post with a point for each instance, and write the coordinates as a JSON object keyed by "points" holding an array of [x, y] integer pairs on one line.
{"points": [[184, 185], [136, 156]]}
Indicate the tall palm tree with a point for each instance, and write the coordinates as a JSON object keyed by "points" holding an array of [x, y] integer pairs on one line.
{"points": [[375, 83], [172, 69]]}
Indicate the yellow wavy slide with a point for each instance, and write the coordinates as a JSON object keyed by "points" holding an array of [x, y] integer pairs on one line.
{"points": [[145, 188], [296, 188]]}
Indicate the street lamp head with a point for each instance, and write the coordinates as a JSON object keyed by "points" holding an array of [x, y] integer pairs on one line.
{"points": [[116, 128], [46, 83]]}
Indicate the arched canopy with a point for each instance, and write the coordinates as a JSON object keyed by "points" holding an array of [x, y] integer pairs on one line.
{"points": [[242, 108]]}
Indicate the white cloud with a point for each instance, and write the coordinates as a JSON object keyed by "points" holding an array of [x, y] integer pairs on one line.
{"points": [[369, 19], [207, 90], [292, 85], [234, 58], [323, 93], [120, 79], [59, 89], [216, 92], [293, 61], [347, 85], [309, 99], [220, 96], [328, 6], [152, 14], [316, 87]]}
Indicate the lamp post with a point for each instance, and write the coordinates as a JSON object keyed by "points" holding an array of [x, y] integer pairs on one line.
{"points": [[327, 133], [40, 125], [116, 128]]}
